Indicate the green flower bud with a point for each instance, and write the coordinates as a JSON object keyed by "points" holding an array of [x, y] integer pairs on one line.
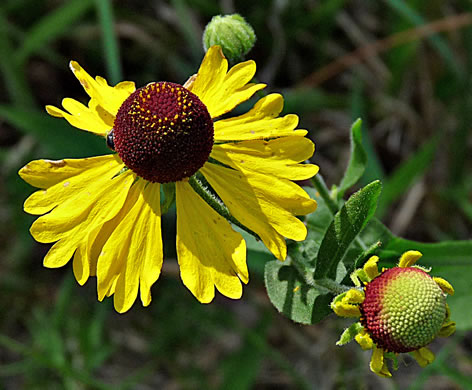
{"points": [[235, 36]]}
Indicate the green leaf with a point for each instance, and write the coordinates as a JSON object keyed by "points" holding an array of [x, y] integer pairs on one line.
{"points": [[345, 227], [406, 175], [54, 25], [451, 260], [289, 293], [349, 333], [357, 160]]}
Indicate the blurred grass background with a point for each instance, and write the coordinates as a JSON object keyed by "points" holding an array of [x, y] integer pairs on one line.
{"points": [[405, 67]]}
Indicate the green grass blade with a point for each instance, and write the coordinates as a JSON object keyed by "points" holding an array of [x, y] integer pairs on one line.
{"points": [[13, 76], [59, 139], [50, 27], [110, 40]]}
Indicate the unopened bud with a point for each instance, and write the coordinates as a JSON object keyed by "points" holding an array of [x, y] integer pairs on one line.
{"points": [[235, 36]]}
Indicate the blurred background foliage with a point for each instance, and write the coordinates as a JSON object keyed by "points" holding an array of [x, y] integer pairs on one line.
{"points": [[404, 66]]}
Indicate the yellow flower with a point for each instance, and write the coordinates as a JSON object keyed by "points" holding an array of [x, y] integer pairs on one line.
{"points": [[105, 211], [401, 309]]}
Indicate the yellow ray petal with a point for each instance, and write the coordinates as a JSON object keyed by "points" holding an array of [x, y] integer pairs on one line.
{"points": [[364, 340], [423, 356], [46, 173], [82, 211], [84, 173], [261, 122], [444, 285], [263, 203], [104, 209], [278, 157], [132, 256], [447, 329], [110, 98], [378, 364], [209, 251], [80, 264], [370, 267], [82, 117], [409, 258], [221, 91]]}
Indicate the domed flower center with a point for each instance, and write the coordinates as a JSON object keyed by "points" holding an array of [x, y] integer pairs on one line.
{"points": [[403, 310], [163, 132]]}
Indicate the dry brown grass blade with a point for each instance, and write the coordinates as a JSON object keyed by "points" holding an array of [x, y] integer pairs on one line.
{"points": [[355, 57]]}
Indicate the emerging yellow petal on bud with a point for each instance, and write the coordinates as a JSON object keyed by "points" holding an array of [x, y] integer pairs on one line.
{"points": [[378, 364], [364, 340], [346, 310], [423, 356], [448, 329], [444, 285], [409, 258], [354, 296], [346, 304], [370, 267]]}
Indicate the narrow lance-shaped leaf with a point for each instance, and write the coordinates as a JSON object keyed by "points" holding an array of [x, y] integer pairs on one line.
{"points": [[347, 224], [357, 160]]}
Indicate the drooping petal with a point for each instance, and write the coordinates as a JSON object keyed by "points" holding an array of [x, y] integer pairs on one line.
{"points": [[423, 356], [71, 222], [72, 176], [263, 203], [378, 363], [46, 173], [278, 157], [409, 258], [110, 98], [261, 122], [221, 91], [131, 258], [94, 204], [209, 251]]}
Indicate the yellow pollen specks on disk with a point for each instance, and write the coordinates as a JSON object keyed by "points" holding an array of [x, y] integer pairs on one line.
{"points": [[409, 258]]}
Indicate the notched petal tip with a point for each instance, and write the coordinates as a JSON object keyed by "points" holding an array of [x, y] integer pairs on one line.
{"points": [[409, 258]]}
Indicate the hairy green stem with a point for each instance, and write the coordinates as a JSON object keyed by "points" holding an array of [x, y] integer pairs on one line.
{"points": [[216, 204], [306, 272], [321, 187]]}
